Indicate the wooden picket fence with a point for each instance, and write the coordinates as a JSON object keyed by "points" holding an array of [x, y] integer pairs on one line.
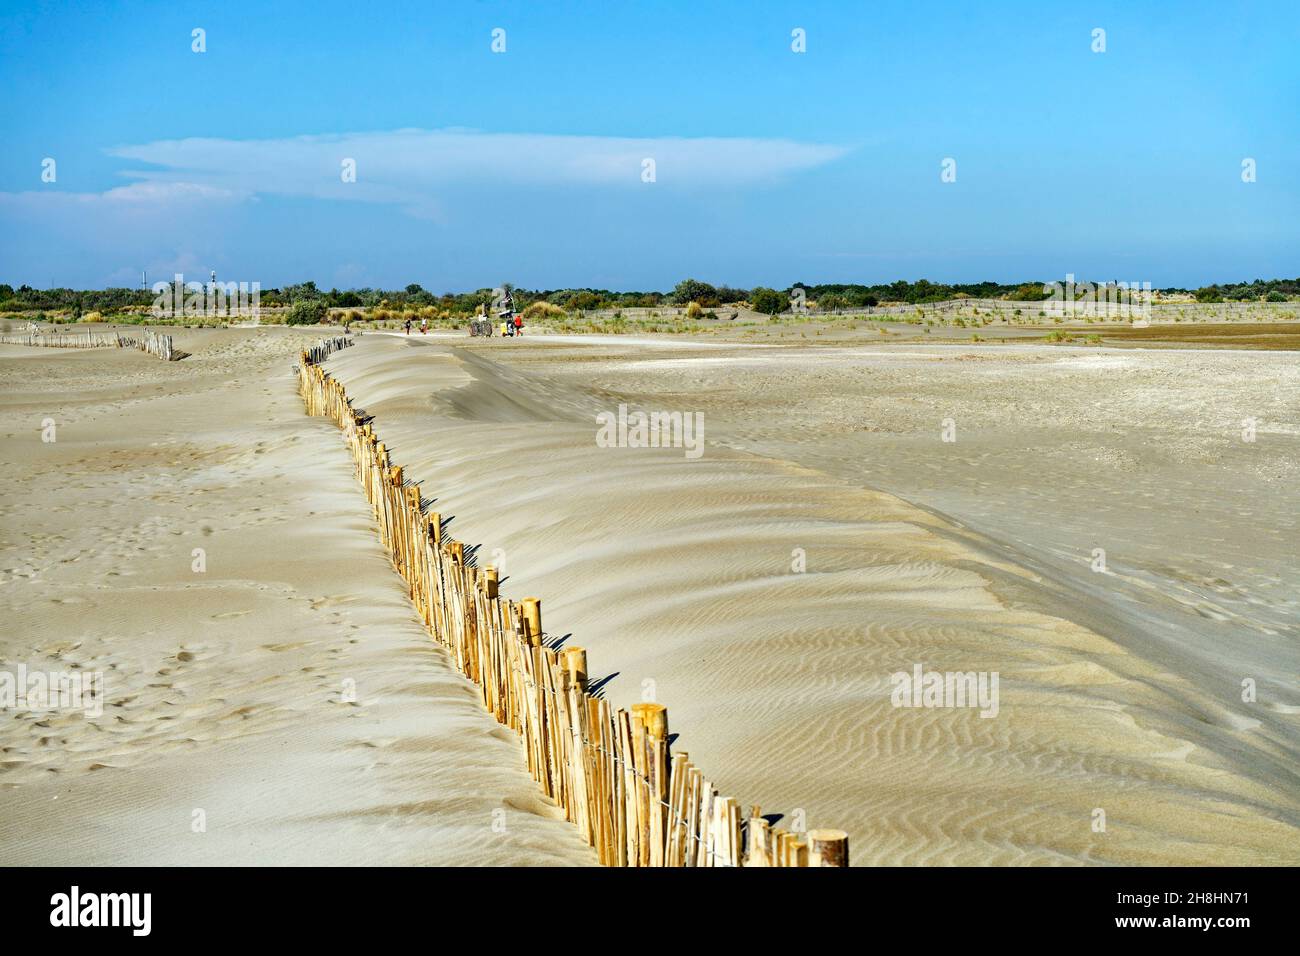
{"points": [[324, 349], [81, 340], [154, 343], [632, 797]]}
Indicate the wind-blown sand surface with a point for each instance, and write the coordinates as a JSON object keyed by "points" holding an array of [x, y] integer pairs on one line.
{"points": [[1120, 691], [225, 689]]}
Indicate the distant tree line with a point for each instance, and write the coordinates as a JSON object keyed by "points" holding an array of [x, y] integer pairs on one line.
{"points": [[1270, 290], [830, 297], [25, 298]]}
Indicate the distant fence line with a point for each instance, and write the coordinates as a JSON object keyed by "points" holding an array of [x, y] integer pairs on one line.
{"points": [[325, 348], [84, 340], [613, 773], [154, 343], [1035, 305]]}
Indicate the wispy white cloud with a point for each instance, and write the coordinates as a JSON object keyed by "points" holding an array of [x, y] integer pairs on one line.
{"points": [[140, 195], [198, 194], [412, 158], [413, 168]]}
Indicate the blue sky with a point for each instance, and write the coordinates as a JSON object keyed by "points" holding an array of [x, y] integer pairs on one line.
{"points": [[475, 167]]}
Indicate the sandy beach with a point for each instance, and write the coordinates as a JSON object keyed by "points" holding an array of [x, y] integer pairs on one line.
{"points": [[826, 538], [1121, 691], [226, 690]]}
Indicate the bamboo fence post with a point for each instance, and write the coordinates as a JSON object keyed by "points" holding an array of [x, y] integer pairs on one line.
{"points": [[612, 772], [654, 719], [533, 620], [828, 848], [758, 834], [573, 664], [631, 829], [677, 788], [599, 790], [694, 795]]}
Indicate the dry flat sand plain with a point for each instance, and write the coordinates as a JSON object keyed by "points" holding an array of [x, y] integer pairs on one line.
{"points": [[225, 689], [1119, 691]]}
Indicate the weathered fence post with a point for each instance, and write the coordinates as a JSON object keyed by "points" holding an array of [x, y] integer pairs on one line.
{"points": [[533, 621], [828, 848]]}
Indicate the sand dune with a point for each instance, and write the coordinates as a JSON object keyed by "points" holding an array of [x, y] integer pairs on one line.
{"points": [[765, 592], [678, 573]]}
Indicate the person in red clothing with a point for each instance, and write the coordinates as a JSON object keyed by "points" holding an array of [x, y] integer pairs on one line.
{"points": [[519, 325]]}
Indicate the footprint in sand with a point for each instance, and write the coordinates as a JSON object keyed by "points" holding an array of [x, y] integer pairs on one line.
{"points": [[332, 600], [196, 652], [244, 712], [288, 646]]}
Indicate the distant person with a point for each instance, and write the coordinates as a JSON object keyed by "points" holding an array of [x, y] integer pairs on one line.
{"points": [[519, 325], [424, 326], [408, 326]]}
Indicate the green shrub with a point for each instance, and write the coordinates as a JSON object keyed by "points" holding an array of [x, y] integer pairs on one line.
{"points": [[306, 312], [767, 301], [543, 310], [831, 303]]}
